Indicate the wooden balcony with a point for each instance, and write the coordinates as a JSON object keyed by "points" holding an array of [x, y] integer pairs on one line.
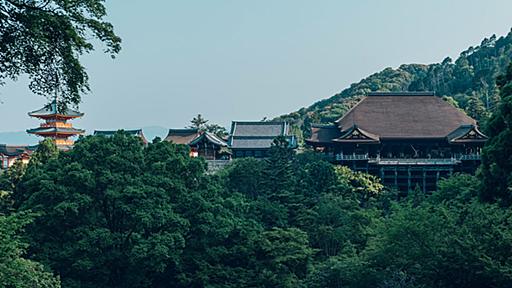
{"points": [[351, 157], [453, 160]]}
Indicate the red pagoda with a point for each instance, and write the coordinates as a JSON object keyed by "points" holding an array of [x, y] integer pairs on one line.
{"points": [[55, 126]]}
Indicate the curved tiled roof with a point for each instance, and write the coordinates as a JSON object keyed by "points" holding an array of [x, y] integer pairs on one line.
{"points": [[258, 134], [10, 150], [50, 130], [356, 134], [405, 115], [52, 110], [181, 136], [259, 128], [192, 136], [210, 137], [323, 133], [466, 133]]}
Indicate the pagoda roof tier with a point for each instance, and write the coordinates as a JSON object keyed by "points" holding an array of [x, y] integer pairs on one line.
{"points": [[51, 110], [55, 130]]}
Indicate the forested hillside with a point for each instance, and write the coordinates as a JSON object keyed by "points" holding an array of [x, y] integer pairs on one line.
{"points": [[469, 80]]}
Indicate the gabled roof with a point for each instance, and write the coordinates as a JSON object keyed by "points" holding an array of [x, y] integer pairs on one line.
{"points": [[357, 135], [259, 128], [52, 110], [323, 133], [258, 134], [466, 133], [12, 150], [260, 142], [182, 136], [192, 136], [209, 137], [404, 115], [110, 133]]}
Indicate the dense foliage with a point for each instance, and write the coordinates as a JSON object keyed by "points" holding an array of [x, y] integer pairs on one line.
{"points": [[468, 82], [496, 170], [113, 213], [43, 39], [15, 270]]}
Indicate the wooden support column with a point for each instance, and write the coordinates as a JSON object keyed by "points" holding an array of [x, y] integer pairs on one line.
{"points": [[409, 178], [396, 176], [437, 177], [424, 181]]}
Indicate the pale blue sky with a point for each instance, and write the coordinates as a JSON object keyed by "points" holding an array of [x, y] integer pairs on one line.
{"points": [[245, 60]]}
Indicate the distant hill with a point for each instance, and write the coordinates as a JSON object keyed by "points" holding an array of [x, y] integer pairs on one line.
{"points": [[22, 137], [467, 82], [18, 138], [154, 131]]}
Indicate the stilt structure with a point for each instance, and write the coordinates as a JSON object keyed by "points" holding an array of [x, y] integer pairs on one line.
{"points": [[56, 126], [408, 139]]}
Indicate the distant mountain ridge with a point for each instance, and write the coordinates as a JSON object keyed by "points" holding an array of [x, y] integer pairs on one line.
{"points": [[18, 138], [23, 138], [467, 82]]}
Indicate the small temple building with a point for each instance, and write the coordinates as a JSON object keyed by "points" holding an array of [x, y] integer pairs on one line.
{"points": [[202, 143], [109, 133], [56, 126], [254, 138], [9, 154], [408, 139]]}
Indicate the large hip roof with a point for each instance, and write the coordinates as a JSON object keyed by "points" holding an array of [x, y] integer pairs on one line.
{"points": [[405, 116]]}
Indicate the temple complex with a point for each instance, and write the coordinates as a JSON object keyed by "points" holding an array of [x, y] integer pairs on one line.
{"points": [[408, 139], [56, 126]]}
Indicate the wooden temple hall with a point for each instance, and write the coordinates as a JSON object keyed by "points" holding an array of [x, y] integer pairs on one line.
{"points": [[408, 139]]}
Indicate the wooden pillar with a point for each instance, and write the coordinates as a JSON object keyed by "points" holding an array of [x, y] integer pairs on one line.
{"points": [[409, 178], [396, 176], [424, 181], [437, 177]]}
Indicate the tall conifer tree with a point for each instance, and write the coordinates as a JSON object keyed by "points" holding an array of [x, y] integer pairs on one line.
{"points": [[496, 170]]}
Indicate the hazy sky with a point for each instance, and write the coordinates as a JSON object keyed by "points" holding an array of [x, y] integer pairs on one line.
{"points": [[244, 60]]}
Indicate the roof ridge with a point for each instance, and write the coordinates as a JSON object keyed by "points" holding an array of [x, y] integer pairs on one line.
{"points": [[401, 93], [260, 122]]}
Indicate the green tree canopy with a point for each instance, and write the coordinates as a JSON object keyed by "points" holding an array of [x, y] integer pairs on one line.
{"points": [[496, 169], [44, 39], [15, 270], [108, 210]]}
